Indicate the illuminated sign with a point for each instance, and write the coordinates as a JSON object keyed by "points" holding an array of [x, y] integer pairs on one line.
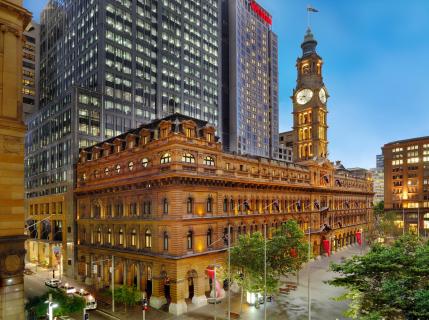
{"points": [[264, 15]]}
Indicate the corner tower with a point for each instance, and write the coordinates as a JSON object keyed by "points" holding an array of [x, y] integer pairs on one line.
{"points": [[309, 105]]}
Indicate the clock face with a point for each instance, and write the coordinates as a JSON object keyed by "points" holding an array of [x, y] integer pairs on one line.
{"points": [[303, 96], [322, 95]]}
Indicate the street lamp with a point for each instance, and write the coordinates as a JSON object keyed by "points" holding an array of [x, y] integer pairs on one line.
{"points": [[51, 306]]}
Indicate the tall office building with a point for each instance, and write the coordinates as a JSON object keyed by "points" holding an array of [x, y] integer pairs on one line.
{"points": [[406, 182], [286, 146], [250, 79], [30, 69], [108, 66], [378, 176]]}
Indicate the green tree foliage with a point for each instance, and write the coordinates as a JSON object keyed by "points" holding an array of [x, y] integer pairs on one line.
{"points": [[67, 304], [286, 251], [389, 282], [128, 296]]}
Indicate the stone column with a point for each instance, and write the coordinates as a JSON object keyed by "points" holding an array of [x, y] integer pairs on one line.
{"points": [[157, 299], [199, 297], [178, 305]]}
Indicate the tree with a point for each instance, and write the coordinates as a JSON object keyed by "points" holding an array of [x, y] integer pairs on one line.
{"points": [[67, 304], [389, 282], [286, 252], [128, 296]]}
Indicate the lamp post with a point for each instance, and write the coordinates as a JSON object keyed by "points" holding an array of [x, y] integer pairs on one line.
{"points": [[51, 306]]}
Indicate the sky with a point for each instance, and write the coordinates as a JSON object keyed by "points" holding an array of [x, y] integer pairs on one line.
{"points": [[375, 69]]}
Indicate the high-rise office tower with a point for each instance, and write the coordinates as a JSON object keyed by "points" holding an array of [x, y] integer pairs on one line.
{"points": [[250, 79], [30, 69], [108, 66]]}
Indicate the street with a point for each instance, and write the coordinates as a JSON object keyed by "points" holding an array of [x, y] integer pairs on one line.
{"points": [[292, 306]]}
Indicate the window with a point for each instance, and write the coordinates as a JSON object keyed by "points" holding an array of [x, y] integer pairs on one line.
{"points": [[118, 168], [209, 161], [109, 236], [231, 205], [145, 162], [165, 240], [188, 158], [189, 240], [119, 209], [121, 237], [190, 205], [99, 235], [134, 237], [166, 158], [209, 204], [133, 209], [131, 166], [106, 171], [165, 206], [148, 239], [109, 210], [225, 205], [209, 237], [146, 207]]}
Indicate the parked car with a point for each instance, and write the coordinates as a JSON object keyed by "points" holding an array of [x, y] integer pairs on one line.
{"points": [[67, 288], [53, 283], [91, 303]]}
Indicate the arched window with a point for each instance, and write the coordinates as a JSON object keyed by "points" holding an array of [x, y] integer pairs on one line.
{"points": [[165, 206], [209, 237], [106, 171], [109, 210], [165, 240], [145, 162], [166, 158], [133, 209], [121, 237], [189, 240], [231, 205], [225, 205], [148, 239], [188, 158], [96, 210], [209, 161], [109, 236], [209, 204], [189, 205], [131, 166], [134, 237], [118, 168]]}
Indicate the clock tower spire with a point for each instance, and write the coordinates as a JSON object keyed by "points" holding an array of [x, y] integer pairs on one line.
{"points": [[309, 105]]}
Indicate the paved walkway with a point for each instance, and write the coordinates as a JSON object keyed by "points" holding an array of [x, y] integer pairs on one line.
{"points": [[293, 306]]}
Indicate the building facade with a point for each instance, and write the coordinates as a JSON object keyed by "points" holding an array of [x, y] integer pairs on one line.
{"points": [[13, 21], [286, 146], [378, 177], [309, 105], [406, 182], [158, 200], [108, 66], [30, 69], [250, 80]]}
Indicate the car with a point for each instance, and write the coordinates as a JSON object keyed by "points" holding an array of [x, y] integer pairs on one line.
{"points": [[67, 288], [53, 283], [91, 303]]}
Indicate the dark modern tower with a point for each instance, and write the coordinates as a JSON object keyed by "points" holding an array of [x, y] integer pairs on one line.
{"points": [[108, 66], [250, 79], [309, 105]]}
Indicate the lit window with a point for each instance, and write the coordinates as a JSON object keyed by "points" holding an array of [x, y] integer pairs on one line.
{"points": [[131, 166], [188, 158], [165, 206], [145, 162], [189, 240], [121, 237], [148, 239], [165, 238], [118, 168], [106, 171], [133, 237], [209, 161], [166, 158]]}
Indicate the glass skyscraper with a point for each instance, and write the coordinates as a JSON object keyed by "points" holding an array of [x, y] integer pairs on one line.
{"points": [[250, 86]]}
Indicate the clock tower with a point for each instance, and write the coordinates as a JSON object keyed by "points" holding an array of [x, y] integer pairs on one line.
{"points": [[309, 105]]}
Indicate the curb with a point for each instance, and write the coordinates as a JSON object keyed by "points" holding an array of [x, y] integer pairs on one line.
{"points": [[104, 313]]}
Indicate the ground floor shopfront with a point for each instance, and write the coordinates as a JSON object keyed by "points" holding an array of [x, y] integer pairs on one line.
{"points": [[176, 282]]}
